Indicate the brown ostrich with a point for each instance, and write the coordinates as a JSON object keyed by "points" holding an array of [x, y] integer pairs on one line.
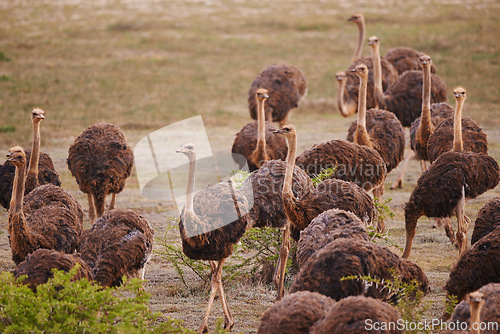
{"points": [[406, 59], [119, 243], [353, 257], [48, 217], [443, 189], [442, 139], [487, 219], [379, 129], [209, 228], [359, 20], [478, 306], [38, 266], [477, 266], [328, 226], [286, 85], [358, 314], [295, 313], [255, 143], [41, 168], [101, 161]]}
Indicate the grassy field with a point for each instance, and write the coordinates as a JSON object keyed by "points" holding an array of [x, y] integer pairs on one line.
{"points": [[146, 64]]}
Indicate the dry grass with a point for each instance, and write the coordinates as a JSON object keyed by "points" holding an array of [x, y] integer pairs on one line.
{"points": [[146, 64]]}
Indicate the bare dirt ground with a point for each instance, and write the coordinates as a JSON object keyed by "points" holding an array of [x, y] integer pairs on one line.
{"points": [[315, 120]]}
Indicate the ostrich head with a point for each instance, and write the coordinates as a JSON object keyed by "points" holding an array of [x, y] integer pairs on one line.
{"points": [[425, 60], [37, 115], [361, 70], [459, 93], [261, 94], [341, 76], [188, 149], [357, 18], [288, 131], [16, 156], [373, 41]]}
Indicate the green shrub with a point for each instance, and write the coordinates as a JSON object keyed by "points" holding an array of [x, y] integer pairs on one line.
{"points": [[65, 306]]}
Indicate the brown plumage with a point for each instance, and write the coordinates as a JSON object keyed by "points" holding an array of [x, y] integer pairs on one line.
{"points": [[488, 297], [344, 257], [328, 194], [405, 59], [38, 266], [361, 165], [211, 223], [453, 178], [478, 266], [358, 315], [286, 85], [255, 143], [48, 217], [328, 226], [40, 172], [119, 243], [487, 219], [295, 313], [101, 161]]}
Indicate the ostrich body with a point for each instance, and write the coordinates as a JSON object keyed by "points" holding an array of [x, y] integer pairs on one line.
{"points": [[201, 234], [379, 129], [41, 168], [487, 219], [48, 217], [351, 162], [255, 143], [286, 85], [101, 161], [295, 313], [119, 243], [328, 226], [345, 257], [355, 314], [406, 59], [38, 266], [452, 179], [478, 266]]}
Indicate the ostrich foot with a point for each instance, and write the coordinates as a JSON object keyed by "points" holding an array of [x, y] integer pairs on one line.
{"points": [[398, 184]]}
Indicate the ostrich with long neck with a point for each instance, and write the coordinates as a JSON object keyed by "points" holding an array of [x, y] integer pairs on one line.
{"points": [[455, 177], [378, 129], [255, 143], [359, 20], [205, 232], [48, 217]]}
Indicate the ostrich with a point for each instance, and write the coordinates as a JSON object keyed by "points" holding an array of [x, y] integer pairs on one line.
{"points": [[359, 20], [356, 314], [295, 313], [37, 267], [487, 219], [328, 226], [442, 139], [41, 168], [255, 143], [353, 257], [48, 217], [477, 266], [480, 305], [287, 86], [379, 129], [101, 161], [209, 230], [443, 189]]}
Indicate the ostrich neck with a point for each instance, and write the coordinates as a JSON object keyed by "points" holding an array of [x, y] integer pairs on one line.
{"points": [[361, 38], [290, 165], [260, 149], [458, 144], [18, 190], [340, 98], [475, 309], [35, 150], [425, 119], [378, 90], [190, 183], [361, 136]]}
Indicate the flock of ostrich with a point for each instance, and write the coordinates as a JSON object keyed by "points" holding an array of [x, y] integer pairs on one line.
{"points": [[328, 220]]}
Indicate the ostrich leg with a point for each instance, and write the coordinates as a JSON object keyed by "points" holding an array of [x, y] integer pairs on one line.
{"points": [[279, 273], [215, 284], [113, 201], [462, 225], [399, 181], [91, 208]]}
